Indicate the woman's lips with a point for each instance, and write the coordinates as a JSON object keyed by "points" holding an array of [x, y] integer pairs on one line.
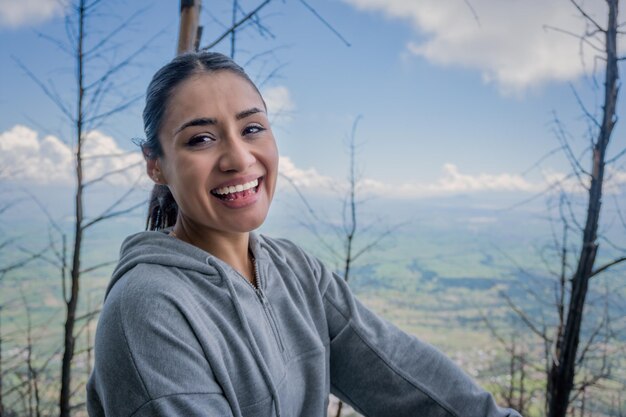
{"points": [[240, 195]]}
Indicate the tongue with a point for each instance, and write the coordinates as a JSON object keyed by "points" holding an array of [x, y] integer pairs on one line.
{"points": [[238, 194]]}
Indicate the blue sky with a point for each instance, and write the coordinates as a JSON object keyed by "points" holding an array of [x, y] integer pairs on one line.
{"points": [[454, 99]]}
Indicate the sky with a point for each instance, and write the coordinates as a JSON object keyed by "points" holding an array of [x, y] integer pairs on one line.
{"points": [[455, 97]]}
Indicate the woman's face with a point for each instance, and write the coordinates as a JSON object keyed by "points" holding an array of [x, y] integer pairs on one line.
{"points": [[219, 155]]}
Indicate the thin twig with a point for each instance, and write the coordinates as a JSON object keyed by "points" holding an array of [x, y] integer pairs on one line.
{"points": [[525, 318], [325, 22], [607, 266], [235, 26]]}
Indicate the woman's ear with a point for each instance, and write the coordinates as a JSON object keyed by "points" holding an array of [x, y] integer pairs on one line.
{"points": [[153, 169]]}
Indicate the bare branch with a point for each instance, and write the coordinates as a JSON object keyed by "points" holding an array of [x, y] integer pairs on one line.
{"points": [[584, 108], [261, 28], [92, 5], [105, 39], [590, 341], [619, 212], [23, 262], [88, 316], [51, 95], [44, 258], [110, 214], [611, 243], [607, 266], [616, 157], [375, 242], [98, 266], [10, 204], [122, 63], [7, 242], [540, 160], [473, 11], [583, 39], [119, 108], [107, 155], [44, 209], [537, 195], [236, 25], [525, 319], [325, 22], [589, 18], [332, 251], [304, 200], [313, 214], [58, 43], [568, 203], [271, 75], [110, 173], [503, 342], [563, 138]]}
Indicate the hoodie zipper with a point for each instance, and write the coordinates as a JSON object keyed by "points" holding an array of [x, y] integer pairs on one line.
{"points": [[267, 308], [268, 312]]}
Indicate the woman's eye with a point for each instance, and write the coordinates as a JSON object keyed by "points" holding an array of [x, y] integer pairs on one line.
{"points": [[252, 129], [200, 140]]}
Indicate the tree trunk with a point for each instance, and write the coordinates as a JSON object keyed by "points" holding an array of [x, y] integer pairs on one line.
{"points": [[72, 303], [563, 372], [189, 28]]}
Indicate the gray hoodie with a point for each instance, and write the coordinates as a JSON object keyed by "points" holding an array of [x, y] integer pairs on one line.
{"points": [[183, 334]]}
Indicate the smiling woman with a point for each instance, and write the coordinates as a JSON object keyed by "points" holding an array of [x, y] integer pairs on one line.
{"points": [[204, 317], [211, 150]]}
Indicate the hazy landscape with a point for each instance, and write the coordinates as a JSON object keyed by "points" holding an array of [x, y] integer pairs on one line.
{"points": [[440, 275]]}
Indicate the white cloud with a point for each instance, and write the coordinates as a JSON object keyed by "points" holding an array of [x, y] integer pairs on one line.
{"points": [[15, 13], [25, 157], [614, 181], [451, 182], [509, 44], [304, 178], [103, 155], [279, 104]]}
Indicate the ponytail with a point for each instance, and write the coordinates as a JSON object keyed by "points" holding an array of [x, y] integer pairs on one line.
{"points": [[162, 210]]}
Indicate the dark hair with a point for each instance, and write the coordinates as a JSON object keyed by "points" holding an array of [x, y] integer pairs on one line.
{"points": [[163, 210]]}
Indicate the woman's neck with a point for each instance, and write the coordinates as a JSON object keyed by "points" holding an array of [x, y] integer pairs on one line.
{"points": [[232, 248]]}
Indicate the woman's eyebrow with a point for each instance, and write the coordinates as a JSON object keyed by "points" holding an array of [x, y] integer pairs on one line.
{"points": [[202, 121], [207, 121], [249, 112]]}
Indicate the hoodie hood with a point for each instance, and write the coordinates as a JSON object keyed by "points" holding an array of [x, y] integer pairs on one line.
{"points": [[157, 247]]}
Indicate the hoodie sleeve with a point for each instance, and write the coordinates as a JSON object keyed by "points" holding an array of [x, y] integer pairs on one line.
{"points": [[148, 360], [382, 371]]}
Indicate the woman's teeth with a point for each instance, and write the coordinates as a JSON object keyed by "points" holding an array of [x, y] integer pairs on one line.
{"points": [[231, 191]]}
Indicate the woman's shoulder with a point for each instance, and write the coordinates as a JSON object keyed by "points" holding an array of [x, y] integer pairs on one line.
{"points": [[140, 292]]}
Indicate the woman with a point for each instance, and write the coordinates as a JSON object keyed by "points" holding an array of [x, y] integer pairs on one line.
{"points": [[203, 317]]}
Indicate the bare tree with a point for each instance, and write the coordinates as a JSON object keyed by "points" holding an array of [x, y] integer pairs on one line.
{"points": [[95, 69], [350, 233], [563, 370], [577, 359]]}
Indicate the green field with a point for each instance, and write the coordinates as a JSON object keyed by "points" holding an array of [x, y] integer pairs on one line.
{"points": [[437, 277]]}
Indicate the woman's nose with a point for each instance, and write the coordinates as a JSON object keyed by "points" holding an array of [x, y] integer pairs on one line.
{"points": [[237, 155]]}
